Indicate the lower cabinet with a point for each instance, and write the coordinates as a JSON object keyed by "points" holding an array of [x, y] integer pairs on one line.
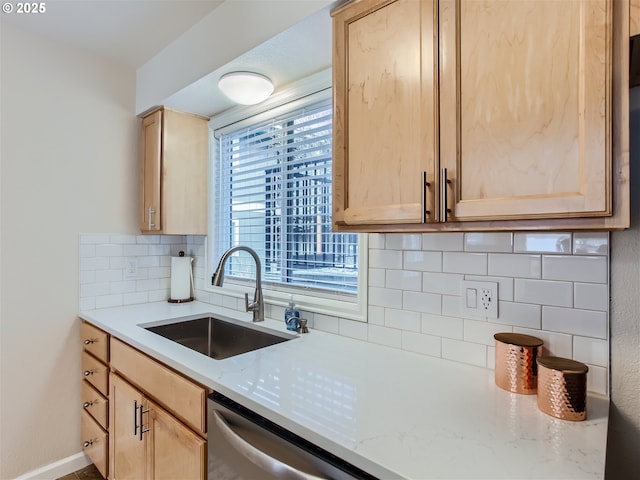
{"points": [[148, 442]]}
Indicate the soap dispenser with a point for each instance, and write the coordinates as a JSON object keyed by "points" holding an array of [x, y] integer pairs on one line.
{"points": [[292, 316]]}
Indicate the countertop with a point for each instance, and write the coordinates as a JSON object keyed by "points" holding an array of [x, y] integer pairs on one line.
{"points": [[392, 413]]}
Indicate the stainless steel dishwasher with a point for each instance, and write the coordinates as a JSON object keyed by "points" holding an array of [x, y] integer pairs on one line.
{"points": [[243, 445]]}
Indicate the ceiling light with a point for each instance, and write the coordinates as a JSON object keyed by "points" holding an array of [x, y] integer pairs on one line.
{"points": [[246, 88]]}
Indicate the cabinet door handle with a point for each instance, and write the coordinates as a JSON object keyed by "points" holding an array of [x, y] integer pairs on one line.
{"points": [[89, 341], [142, 430], [150, 213], [86, 373], [135, 418], [444, 185], [87, 404], [87, 443], [425, 185]]}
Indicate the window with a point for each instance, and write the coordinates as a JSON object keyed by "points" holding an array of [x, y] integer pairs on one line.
{"points": [[273, 194]]}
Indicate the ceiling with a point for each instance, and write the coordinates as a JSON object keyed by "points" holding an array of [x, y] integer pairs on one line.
{"points": [[134, 31]]}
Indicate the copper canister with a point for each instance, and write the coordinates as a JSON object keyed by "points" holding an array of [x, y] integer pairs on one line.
{"points": [[562, 388], [515, 365]]}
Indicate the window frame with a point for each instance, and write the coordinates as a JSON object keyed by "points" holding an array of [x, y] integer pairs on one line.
{"points": [[339, 304]]}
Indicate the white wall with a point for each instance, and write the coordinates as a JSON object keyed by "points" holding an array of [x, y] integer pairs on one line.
{"points": [[69, 165], [623, 460]]}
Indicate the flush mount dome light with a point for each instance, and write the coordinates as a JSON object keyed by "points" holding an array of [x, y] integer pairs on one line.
{"points": [[246, 88]]}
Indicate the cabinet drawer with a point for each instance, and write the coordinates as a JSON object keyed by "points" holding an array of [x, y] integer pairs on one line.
{"points": [[95, 341], [95, 443], [180, 396], [95, 404], [96, 373]]}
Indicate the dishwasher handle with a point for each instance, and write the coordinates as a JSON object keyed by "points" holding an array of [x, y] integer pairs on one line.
{"points": [[257, 456]]}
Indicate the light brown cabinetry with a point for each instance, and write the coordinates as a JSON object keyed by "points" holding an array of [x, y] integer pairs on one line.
{"points": [[175, 156], [506, 107], [94, 391], [634, 18], [158, 420]]}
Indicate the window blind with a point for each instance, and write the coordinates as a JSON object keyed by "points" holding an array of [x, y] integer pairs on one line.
{"points": [[275, 197]]}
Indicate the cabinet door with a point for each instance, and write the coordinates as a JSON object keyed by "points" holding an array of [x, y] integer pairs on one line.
{"points": [[174, 451], [385, 122], [634, 18], [128, 451], [525, 108], [150, 220]]}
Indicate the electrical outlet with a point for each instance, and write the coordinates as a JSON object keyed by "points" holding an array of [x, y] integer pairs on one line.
{"points": [[479, 299], [130, 268]]}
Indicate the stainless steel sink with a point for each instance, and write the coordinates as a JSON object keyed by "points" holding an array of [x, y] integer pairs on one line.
{"points": [[218, 338]]}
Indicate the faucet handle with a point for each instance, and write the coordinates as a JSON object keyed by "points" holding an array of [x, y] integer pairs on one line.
{"points": [[249, 307]]}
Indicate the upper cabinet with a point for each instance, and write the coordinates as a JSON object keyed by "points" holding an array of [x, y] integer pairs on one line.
{"points": [[175, 156], [467, 115], [634, 18]]}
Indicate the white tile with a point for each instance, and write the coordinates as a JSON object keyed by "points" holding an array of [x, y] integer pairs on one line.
{"points": [[402, 320], [488, 242], [148, 239], [404, 280], [385, 297], [88, 303], [111, 275], [376, 240], [87, 276], [148, 284], [401, 241], [459, 262], [442, 283], [94, 289], [591, 296], [515, 265], [591, 243], [422, 302], [377, 277], [352, 329], [491, 358], [451, 306], [556, 344], [422, 261], [327, 323], [423, 344], [109, 250], [159, 272], [375, 315], [471, 353], [482, 332], [159, 249], [160, 295], [587, 323], [85, 251], [505, 285], [452, 242], [94, 263], [90, 238], [122, 238], [544, 292], [149, 261], [135, 298], [440, 326], [537, 242], [526, 315], [575, 268], [597, 380], [591, 350], [106, 301], [385, 336], [173, 239], [385, 258], [135, 250]]}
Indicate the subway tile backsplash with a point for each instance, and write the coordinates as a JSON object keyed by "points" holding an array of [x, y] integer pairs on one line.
{"points": [[551, 285]]}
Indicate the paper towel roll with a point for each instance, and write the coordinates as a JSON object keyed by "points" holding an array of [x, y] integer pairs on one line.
{"points": [[181, 279]]}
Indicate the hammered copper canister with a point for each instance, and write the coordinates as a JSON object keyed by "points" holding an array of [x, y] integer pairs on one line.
{"points": [[562, 388], [515, 366]]}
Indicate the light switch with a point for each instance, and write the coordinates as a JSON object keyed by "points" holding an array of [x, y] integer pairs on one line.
{"points": [[472, 298]]}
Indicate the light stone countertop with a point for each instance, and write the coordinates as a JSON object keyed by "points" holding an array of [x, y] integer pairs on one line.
{"points": [[392, 413]]}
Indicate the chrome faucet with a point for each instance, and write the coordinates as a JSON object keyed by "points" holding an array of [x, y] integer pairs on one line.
{"points": [[257, 306]]}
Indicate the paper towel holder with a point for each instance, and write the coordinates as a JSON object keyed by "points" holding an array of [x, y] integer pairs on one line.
{"points": [[184, 300]]}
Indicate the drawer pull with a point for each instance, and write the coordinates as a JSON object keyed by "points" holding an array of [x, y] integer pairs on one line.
{"points": [[86, 373], [89, 341], [87, 443], [87, 404]]}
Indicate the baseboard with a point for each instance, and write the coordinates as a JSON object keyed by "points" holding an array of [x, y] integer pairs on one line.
{"points": [[58, 469]]}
